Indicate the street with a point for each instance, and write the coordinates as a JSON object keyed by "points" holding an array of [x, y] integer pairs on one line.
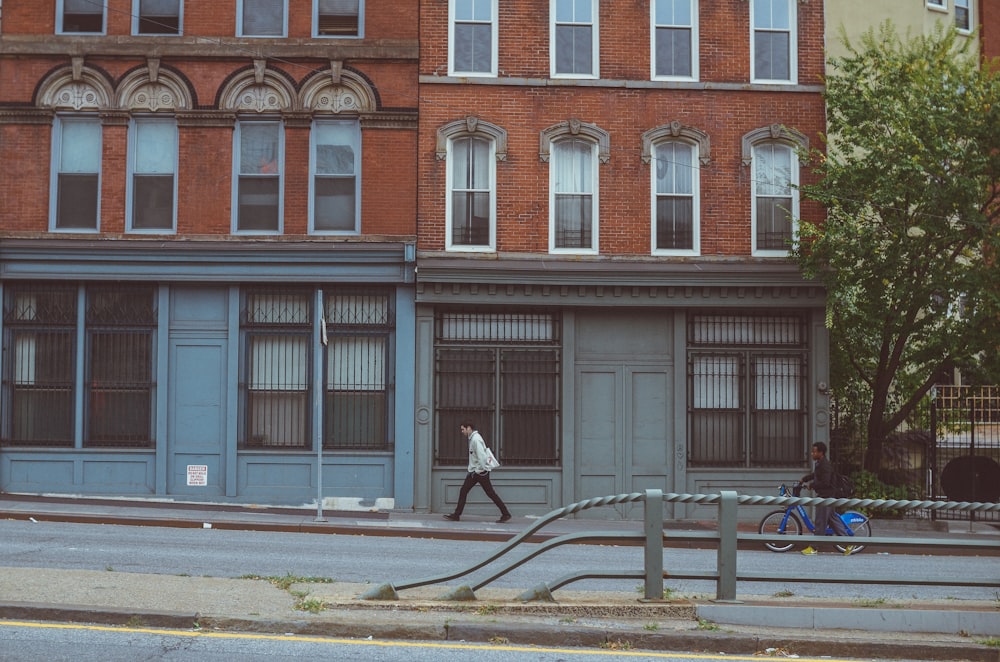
{"points": [[365, 559], [33, 642]]}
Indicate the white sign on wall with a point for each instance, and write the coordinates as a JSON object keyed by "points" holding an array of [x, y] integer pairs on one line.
{"points": [[197, 474]]}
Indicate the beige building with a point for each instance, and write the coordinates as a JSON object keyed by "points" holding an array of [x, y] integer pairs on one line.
{"points": [[854, 17]]}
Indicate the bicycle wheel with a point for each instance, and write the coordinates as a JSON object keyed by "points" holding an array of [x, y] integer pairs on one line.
{"points": [[860, 525], [783, 523]]}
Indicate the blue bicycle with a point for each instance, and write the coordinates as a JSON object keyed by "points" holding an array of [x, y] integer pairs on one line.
{"points": [[794, 521]]}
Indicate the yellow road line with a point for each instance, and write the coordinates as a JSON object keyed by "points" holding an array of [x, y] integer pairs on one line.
{"points": [[390, 644]]}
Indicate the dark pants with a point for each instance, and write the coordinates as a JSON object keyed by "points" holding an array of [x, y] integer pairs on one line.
{"points": [[827, 516], [484, 480]]}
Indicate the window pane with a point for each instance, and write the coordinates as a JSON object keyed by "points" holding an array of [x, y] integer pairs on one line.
{"points": [[465, 387], [673, 52], [153, 202], [83, 16], [259, 147], [119, 402], [159, 16], [473, 10], [278, 390], [774, 223], [529, 415], [674, 223], [263, 17], [573, 163], [574, 49], [771, 57], [470, 224], [258, 203], [80, 146], [76, 203], [155, 147], [334, 207], [42, 389], [473, 47], [673, 12], [338, 18]]}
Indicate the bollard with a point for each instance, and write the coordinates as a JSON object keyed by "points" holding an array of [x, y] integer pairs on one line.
{"points": [[725, 590], [653, 528]]}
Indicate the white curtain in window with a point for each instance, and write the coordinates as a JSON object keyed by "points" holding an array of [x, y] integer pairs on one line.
{"points": [[773, 170], [573, 163], [674, 168], [156, 148], [81, 146], [356, 363], [777, 382], [716, 382], [279, 363]]}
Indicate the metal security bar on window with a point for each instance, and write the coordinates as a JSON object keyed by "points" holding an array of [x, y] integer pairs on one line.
{"points": [[121, 321], [358, 392], [500, 370], [716, 410], [38, 377], [734, 330], [277, 369]]}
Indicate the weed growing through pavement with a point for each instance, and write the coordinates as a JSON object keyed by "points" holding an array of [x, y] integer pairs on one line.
{"points": [[992, 641], [652, 627], [302, 601], [617, 645], [134, 622], [707, 625], [499, 641], [784, 594], [487, 609], [875, 602], [668, 593]]}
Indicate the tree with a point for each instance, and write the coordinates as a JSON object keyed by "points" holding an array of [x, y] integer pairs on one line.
{"points": [[908, 250]]}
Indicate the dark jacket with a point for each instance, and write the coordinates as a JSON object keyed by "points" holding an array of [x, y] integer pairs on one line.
{"points": [[822, 478]]}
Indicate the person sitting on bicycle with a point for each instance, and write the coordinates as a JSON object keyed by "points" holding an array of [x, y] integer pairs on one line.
{"points": [[822, 481]]}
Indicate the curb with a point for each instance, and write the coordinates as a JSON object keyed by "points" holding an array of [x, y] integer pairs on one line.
{"points": [[515, 634]]}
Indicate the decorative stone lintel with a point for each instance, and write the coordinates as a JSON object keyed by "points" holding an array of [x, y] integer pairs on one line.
{"points": [[26, 115], [115, 117], [206, 118]]}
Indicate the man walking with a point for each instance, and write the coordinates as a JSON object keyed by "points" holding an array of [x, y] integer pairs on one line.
{"points": [[822, 480], [479, 472]]}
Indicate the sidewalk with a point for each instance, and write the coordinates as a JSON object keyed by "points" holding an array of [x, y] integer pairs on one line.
{"points": [[578, 618]]}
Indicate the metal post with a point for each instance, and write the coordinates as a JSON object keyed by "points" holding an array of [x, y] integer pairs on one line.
{"points": [[653, 528], [317, 418], [726, 585]]}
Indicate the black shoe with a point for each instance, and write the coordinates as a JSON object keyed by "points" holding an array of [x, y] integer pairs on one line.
{"points": [[452, 517], [504, 518]]}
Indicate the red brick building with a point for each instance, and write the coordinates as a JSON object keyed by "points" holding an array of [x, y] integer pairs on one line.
{"points": [[187, 185], [607, 192]]}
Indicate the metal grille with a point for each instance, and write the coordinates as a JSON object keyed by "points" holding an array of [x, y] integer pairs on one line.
{"points": [[500, 370], [966, 422], [40, 342], [746, 408], [119, 389], [359, 326], [277, 335]]}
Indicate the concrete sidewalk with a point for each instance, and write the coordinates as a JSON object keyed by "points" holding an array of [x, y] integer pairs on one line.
{"points": [[917, 630]]}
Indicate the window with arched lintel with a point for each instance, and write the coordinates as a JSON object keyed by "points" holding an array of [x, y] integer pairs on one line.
{"points": [[338, 90], [153, 89], [771, 152], [471, 148], [258, 90], [676, 153], [573, 150]]}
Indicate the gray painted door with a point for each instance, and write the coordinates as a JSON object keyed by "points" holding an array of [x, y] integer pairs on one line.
{"points": [[197, 422], [623, 433]]}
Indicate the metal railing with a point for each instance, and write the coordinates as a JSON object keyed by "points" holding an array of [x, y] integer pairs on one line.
{"points": [[726, 538]]}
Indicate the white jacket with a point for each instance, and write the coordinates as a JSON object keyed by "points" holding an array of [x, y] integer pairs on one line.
{"points": [[477, 453]]}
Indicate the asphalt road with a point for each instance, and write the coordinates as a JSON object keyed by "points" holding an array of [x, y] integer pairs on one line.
{"points": [[364, 559]]}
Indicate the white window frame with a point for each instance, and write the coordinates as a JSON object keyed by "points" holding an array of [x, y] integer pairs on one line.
{"points": [[595, 206], [595, 71], [494, 39], [693, 26], [937, 5], [58, 125], [237, 141], [313, 158], [60, 15], [361, 23], [695, 195], [241, 8], [137, 15], [755, 179], [450, 189], [793, 47], [968, 6], [133, 154]]}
